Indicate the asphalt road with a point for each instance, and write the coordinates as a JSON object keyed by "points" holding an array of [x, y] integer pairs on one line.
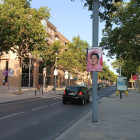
{"points": [[43, 118]]}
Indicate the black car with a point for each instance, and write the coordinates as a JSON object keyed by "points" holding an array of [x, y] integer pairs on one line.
{"points": [[76, 93]]}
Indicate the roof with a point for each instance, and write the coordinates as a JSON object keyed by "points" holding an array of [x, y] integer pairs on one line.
{"points": [[51, 25], [61, 37]]}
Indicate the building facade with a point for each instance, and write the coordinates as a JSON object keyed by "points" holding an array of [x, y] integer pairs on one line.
{"points": [[36, 71]]}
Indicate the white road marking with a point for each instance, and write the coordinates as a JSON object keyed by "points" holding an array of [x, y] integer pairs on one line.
{"points": [[39, 107], [12, 115], [56, 103]]}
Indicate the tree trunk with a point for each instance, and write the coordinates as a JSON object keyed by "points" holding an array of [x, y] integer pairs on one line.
{"points": [[59, 80], [138, 80], [132, 81], [20, 77]]}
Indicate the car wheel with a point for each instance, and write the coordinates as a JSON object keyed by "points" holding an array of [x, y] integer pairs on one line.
{"points": [[83, 101], [64, 102]]}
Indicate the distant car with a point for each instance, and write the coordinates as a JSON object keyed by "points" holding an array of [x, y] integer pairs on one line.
{"points": [[113, 85], [84, 84], [98, 88], [106, 85], [100, 85], [76, 93]]}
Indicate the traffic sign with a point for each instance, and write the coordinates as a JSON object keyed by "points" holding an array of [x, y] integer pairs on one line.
{"points": [[66, 72]]}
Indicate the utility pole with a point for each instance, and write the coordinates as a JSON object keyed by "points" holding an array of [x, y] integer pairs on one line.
{"points": [[29, 71], [95, 24]]}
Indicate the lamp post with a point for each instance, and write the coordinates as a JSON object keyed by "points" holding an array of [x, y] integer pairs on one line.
{"points": [[55, 73], [8, 77], [120, 69], [95, 24]]}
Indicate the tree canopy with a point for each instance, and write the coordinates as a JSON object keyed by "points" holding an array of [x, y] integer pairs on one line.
{"points": [[20, 27], [124, 39], [73, 57], [21, 30]]}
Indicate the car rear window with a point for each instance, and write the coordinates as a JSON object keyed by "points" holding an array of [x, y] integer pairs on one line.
{"points": [[73, 89]]}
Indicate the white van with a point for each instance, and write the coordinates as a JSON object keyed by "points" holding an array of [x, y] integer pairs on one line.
{"points": [[82, 84]]}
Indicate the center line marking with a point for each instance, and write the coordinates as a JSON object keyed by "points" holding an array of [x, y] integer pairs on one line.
{"points": [[12, 115], [39, 107], [56, 103]]}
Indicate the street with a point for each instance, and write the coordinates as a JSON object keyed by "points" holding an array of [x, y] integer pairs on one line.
{"points": [[42, 118]]}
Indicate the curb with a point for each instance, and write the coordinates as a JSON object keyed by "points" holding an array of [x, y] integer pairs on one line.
{"points": [[19, 100]]}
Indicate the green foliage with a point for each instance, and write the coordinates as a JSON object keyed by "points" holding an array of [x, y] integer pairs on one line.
{"points": [[124, 39], [73, 58], [50, 53], [107, 74], [127, 67], [20, 27]]}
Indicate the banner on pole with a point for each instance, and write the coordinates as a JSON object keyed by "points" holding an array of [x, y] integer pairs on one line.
{"points": [[94, 59], [5, 72], [11, 72]]}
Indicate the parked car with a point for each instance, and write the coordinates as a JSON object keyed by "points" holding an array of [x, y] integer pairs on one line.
{"points": [[98, 88], [106, 85], [76, 93], [113, 85], [100, 85], [85, 85]]}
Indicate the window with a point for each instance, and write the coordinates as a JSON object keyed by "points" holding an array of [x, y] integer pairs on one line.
{"points": [[73, 89], [41, 67], [56, 38], [40, 80]]}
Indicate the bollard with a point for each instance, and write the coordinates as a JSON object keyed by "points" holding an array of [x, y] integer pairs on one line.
{"points": [[42, 91], [35, 92]]}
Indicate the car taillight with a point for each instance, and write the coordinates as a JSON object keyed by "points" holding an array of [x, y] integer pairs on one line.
{"points": [[80, 93], [64, 92]]}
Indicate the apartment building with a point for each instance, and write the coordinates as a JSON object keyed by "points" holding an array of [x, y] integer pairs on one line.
{"points": [[36, 71]]}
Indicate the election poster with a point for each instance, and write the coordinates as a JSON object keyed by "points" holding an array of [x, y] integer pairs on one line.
{"points": [[94, 59]]}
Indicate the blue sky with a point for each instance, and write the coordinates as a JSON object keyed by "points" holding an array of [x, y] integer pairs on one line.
{"points": [[72, 19]]}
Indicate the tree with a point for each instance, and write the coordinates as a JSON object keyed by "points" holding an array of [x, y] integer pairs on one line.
{"points": [[73, 58], [50, 53], [21, 30], [106, 74], [124, 39]]}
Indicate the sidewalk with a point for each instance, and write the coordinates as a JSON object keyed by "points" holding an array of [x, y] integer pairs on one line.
{"points": [[27, 93], [118, 119]]}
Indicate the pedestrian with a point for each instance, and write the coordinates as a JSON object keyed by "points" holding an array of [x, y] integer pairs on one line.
{"points": [[4, 82]]}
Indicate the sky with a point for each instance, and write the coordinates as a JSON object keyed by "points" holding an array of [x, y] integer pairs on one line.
{"points": [[72, 19]]}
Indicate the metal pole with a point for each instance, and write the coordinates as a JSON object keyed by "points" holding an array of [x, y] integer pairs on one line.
{"points": [[29, 71], [95, 23], [89, 79], [120, 69], [8, 79], [44, 82], [55, 84], [55, 76]]}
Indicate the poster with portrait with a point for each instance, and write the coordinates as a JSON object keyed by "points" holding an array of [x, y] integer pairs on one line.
{"points": [[94, 59]]}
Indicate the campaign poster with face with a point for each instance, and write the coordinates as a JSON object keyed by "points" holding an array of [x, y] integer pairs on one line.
{"points": [[94, 59]]}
